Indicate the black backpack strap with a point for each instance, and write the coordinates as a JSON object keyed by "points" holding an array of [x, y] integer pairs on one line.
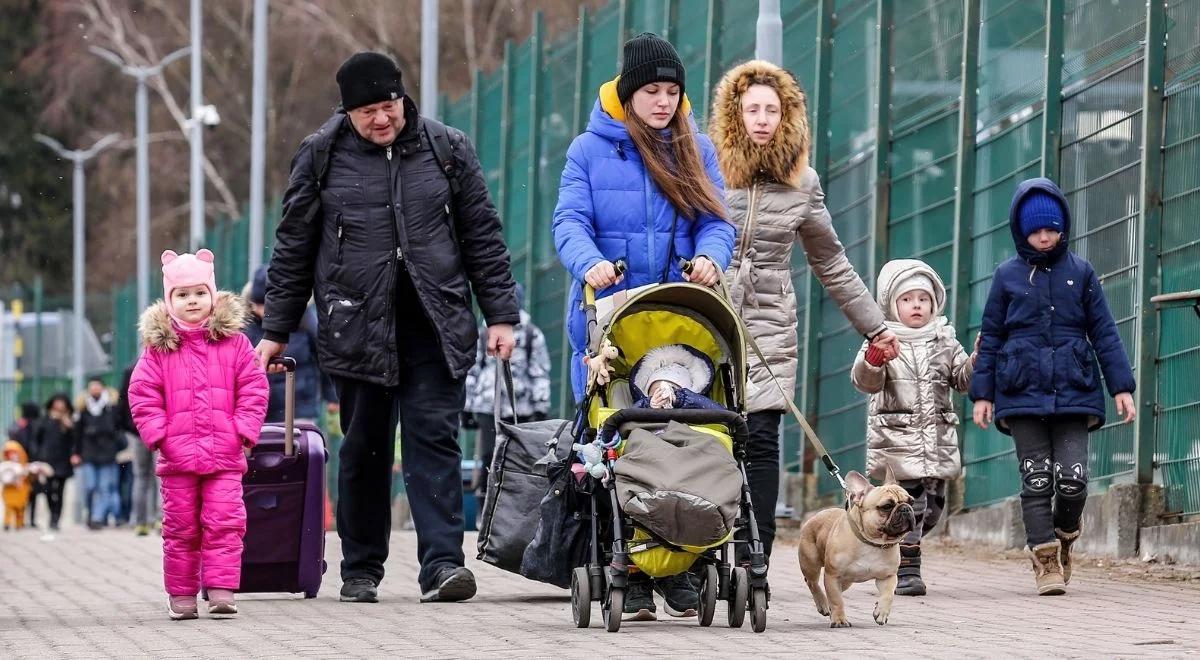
{"points": [[322, 145], [443, 147]]}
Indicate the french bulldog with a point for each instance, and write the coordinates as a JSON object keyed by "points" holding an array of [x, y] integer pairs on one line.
{"points": [[856, 544]]}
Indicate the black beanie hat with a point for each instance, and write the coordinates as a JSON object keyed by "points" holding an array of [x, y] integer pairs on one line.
{"points": [[648, 58], [368, 78]]}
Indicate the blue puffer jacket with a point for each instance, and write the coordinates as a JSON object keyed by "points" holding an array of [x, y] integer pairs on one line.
{"points": [[1045, 324], [610, 209]]}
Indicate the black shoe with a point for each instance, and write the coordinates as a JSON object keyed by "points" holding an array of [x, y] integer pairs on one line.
{"points": [[93, 525], [639, 601], [359, 590], [680, 596], [453, 585], [910, 585]]}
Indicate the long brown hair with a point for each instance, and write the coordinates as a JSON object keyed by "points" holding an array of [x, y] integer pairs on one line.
{"points": [[674, 164]]}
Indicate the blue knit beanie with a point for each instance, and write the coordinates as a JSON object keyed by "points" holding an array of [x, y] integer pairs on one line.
{"points": [[1040, 210]]}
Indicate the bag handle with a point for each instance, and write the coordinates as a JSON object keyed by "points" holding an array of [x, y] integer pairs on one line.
{"points": [[289, 403], [504, 371]]}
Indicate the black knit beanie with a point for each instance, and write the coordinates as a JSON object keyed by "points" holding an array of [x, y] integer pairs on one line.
{"points": [[368, 78], [648, 58]]}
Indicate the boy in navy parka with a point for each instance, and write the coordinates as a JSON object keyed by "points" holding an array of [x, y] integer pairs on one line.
{"points": [[1045, 326]]}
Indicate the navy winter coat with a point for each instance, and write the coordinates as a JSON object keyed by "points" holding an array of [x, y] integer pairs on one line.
{"points": [[1045, 326], [610, 209]]}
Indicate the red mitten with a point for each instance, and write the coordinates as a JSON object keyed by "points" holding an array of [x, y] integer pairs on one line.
{"points": [[876, 356]]}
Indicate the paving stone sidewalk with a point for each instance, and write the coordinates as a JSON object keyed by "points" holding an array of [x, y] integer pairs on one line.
{"points": [[98, 594]]}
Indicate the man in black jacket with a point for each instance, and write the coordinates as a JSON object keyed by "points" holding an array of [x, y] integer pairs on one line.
{"points": [[387, 221]]}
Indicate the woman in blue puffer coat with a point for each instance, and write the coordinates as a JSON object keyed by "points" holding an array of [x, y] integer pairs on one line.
{"points": [[641, 185], [1045, 326]]}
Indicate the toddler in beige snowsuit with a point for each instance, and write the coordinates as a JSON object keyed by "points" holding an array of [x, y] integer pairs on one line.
{"points": [[911, 425]]}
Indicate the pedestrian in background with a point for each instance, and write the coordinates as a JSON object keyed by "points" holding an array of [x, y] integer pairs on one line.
{"points": [[312, 385], [1047, 336], [98, 440], [198, 396], [54, 444], [530, 365], [145, 506]]}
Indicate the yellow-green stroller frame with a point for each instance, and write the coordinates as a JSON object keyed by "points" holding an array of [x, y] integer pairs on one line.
{"points": [[641, 320]]}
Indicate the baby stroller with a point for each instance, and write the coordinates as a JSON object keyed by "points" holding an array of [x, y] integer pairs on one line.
{"points": [[621, 543]]}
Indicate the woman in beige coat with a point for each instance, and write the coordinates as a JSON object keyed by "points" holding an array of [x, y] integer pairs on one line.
{"points": [[760, 128]]}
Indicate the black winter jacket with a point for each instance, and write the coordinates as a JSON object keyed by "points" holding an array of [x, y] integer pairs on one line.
{"points": [[380, 206], [98, 438], [53, 444]]}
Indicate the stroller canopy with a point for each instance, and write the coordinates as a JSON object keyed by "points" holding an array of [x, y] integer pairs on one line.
{"points": [[677, 313]]}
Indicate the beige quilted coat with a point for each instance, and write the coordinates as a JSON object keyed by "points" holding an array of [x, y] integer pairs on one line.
{"points": [[775, 199], [911, 422]]}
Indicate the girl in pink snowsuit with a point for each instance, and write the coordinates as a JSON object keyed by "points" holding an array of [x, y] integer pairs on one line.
{"points": [[199, 398]]}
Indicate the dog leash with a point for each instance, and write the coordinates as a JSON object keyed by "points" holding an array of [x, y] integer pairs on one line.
{"points": [[811, 434]]}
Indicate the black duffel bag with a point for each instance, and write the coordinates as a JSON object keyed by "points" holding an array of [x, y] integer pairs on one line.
{"points": [[517, 482]]}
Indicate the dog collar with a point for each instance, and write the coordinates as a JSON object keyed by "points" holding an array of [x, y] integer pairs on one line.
{"points": [[855, 526]]}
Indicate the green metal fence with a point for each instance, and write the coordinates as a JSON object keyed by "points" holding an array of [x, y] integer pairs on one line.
{"points": [[926, 116]]}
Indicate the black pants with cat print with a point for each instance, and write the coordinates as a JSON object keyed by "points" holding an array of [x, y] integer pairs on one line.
{"points": [[1052, 454]]}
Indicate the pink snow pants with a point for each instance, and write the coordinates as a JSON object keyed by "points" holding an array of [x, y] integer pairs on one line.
{"points": [[204, 520]]}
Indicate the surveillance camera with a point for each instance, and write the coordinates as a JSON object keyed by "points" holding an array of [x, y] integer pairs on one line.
{"points": [[207, 114]]}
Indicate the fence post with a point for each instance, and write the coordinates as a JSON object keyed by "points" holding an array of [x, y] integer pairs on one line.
{"points": [[668, 19], [624, 21], [535, 121], [505, 132], [1052, 110], [38, 301], [578, 117], [819, 162], [883, 143], [477, 79], [711, 54], [1149, 237], [964, 185]]}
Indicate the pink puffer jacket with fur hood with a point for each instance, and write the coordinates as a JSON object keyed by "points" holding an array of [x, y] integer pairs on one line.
{"points": [[198, 396]]}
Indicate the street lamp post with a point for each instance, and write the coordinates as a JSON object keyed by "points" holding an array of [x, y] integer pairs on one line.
{"points": [[79, 158], [142, 105], [258, 135]]}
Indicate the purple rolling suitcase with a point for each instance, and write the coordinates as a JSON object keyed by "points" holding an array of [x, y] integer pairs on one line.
{"points": [[284, 491]]}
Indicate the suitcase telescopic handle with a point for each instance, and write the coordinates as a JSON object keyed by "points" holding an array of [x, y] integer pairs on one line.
{"points": [[289, 404]]}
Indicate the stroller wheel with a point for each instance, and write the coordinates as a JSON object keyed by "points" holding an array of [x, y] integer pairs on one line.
{"points": [[613, 609], [710, 584], [581, 597], [758, 610], [739, 594]]}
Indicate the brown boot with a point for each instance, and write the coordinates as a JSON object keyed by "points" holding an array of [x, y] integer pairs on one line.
{"points": [[1067, 539], [1046, 568]]}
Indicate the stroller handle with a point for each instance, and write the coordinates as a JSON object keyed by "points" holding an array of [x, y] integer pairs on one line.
{"points": [[737, 423]]}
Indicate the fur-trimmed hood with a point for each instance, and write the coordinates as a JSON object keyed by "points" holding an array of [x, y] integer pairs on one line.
{"points": [[682, 365], [229, 315], [785, 157]]}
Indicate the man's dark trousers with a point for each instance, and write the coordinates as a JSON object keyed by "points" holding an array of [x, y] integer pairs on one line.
{"points": [[427, 404]]}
